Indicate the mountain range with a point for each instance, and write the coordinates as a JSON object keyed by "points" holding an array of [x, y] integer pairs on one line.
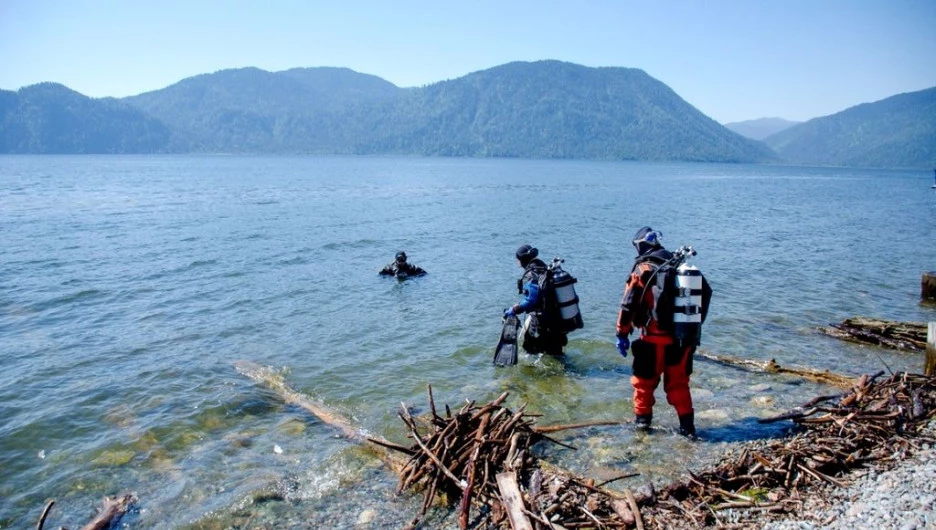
{"points": [[544, 109], [899, 131], [760, 128]]}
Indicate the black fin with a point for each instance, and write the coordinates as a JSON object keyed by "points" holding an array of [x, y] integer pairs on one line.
{"points": [[506, 352]]}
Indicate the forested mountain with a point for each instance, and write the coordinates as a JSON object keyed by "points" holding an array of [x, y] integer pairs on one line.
{"points": [[760, 128], [252, 110], [50, 118], [552, 109], [897, 132], [544, 109]]}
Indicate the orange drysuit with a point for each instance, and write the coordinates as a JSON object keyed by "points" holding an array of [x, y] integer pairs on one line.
{"points": [[655, 352]]}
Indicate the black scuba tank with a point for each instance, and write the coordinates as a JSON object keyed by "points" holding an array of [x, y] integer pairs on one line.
{"points": [[563, 286], [687, 306]]}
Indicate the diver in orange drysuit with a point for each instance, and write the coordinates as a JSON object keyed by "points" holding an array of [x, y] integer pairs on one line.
{"points": [[655, 352]]}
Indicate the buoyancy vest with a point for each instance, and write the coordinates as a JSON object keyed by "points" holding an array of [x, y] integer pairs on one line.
{"points": [[530, 285], [658, 288]]}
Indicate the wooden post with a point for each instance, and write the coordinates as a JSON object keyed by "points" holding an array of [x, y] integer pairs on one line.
{"points": [[928, 286], [930, 368]]}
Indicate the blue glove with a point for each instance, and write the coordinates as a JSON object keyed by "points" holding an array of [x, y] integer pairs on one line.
{"points": [[622, 344], [509, 312]]}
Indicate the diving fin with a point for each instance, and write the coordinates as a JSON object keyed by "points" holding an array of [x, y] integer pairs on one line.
{"points": [[506, 352]]}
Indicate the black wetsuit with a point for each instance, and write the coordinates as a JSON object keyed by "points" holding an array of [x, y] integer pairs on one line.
{"points": [[401, 270], [543, 335]]}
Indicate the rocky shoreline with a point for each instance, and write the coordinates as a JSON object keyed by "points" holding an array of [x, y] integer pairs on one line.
{"points": [[902, 498], [895, 495]]}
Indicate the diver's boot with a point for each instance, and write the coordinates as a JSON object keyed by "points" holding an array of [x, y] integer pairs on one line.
{"points": [[687, 425], [643, 421]]}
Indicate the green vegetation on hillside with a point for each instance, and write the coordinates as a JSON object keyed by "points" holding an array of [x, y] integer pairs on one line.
{"points": [[50, 118], [897, 132], [551, 109], [545, 109]]}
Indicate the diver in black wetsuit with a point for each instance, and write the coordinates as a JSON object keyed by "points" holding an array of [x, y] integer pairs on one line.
{"points": [[541, 332], [400, 268]]}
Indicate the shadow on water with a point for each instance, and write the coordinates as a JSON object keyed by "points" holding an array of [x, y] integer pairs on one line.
{"points": [[746, 430]]}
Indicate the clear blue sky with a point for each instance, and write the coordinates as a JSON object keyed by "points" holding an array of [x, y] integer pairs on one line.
{"points": [[732, 59]]}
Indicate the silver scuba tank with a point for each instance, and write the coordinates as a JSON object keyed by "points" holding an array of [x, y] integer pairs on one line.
{"points": [[687, 306], [564, 288]]}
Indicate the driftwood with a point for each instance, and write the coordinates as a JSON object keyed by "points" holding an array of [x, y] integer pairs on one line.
{"points": [[457, 457], [929, 367], [875, 424], [928, 286], [112, 510], [872, 424], [907, 336], [772, 367], [481, 456], [45, 513], [385, 450], [513, 500], [381, 448]]}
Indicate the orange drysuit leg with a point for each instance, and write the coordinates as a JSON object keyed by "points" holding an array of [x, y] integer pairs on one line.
{"points": [[678, 367], [643, 394], [648, 365]]}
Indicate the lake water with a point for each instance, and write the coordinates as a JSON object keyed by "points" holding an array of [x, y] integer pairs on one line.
{"points": [[130, 285]]}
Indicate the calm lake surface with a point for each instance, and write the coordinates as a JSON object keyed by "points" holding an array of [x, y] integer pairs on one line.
{"points": [[130, 285]]}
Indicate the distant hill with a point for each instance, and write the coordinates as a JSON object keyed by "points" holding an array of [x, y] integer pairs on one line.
{"points": [[897, 132], [760, 128], [545, 109], [51, 118], [252, 110], [552, 109]]}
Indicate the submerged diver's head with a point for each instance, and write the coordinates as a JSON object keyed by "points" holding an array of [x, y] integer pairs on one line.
{"points": [[525, 254], [401, 257], [647, 239]]}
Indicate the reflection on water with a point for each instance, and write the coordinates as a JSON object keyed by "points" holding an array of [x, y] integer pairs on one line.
{"points": [[130, 285]]}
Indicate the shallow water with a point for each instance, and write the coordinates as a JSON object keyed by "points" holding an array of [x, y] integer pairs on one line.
{"points": [[130, 285]]}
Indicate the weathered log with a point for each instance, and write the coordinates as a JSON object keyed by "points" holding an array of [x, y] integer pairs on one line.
{"points": [[929, 368], [634, 509], [113, 509], [275, 382], [772, 367], [928, 286], [513, 500], [907, 336]]}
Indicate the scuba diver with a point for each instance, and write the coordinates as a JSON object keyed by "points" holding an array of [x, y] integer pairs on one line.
{"points": [[400, 268], [668, 302], [542, 331]]}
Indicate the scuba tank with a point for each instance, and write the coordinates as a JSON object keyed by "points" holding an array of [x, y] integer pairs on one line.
{"points": [[687, 306], [563, 288]]}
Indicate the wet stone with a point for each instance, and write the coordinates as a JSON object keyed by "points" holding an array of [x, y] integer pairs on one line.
{"points": [[366, 517], [762, 401], [713, 414]]}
